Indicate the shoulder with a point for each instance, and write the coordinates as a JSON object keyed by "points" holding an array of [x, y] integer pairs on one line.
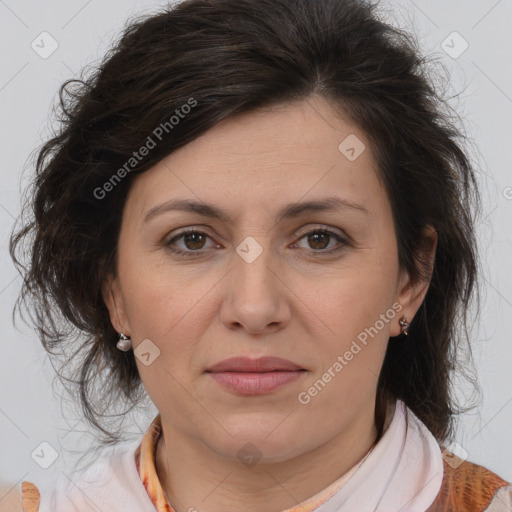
{"points": [[468, 487], [102, 486]]}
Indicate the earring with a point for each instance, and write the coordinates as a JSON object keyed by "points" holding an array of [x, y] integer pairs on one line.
{"points": [[125, 343], [403, 326]]}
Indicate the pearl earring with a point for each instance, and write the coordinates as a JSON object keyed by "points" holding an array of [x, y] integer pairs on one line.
{"points": [[125, 343]]}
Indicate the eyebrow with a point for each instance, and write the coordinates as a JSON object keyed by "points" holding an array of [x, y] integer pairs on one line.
{"points": [[290, 211]]}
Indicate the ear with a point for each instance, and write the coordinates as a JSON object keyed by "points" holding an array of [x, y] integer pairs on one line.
{"points": [[411, 293], [112, 296]]}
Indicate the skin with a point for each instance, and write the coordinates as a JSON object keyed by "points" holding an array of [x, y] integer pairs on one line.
{"points": [[295, 301]]}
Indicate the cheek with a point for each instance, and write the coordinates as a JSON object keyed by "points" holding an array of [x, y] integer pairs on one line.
{"points": [[355, 313], [168, 313], [351, 350], [156, 295], [353, 299], [172, 308]]}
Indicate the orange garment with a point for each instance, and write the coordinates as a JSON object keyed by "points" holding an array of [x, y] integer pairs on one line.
{"points": [[30, 497], [468, 487]]}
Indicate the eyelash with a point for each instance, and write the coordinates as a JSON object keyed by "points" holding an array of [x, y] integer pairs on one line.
{"points": [[330, 233]]}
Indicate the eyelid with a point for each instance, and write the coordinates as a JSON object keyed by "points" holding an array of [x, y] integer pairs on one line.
{"points": [[344, 240], [306, 230], [340, 235], [177, 235], [323, 227]]}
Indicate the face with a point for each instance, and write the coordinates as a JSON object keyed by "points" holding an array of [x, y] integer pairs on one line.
{"points": [[317, 286]]}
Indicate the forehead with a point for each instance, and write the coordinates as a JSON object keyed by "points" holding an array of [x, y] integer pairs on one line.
{"points": [[263, 159]]}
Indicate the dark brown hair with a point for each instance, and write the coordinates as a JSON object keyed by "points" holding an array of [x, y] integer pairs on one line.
{"points": [[227, 57]]}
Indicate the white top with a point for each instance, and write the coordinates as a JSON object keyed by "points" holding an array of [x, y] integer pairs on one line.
{"points": [[111, 484], [404, 471]]}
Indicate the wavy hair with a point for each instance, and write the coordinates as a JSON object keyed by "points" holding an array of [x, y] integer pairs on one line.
{"points": [[230, 57]]}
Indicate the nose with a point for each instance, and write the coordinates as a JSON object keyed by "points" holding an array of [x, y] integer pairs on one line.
{"points": [[256, 298]]}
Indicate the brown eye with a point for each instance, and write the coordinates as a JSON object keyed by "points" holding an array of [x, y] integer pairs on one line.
{"points": [[320, 241], [192, 241]]}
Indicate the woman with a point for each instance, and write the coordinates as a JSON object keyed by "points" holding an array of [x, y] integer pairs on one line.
{"points": [[259, 213]]}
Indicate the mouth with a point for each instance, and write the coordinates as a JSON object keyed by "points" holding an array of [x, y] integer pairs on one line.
{"points": [[245, 376]]}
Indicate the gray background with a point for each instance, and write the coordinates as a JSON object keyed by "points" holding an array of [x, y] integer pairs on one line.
{"points": [[30, 409]]}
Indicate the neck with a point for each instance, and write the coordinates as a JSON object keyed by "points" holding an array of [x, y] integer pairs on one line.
{"points": [[194, 477]]}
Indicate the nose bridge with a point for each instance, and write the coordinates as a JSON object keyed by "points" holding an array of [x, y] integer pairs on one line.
{"points": [[253, 267]]}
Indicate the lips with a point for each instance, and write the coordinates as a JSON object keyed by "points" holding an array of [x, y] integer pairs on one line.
{"points": [[245, 376], [260, 365]]}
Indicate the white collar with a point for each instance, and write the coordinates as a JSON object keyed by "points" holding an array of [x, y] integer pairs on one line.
{"points": [[403, 472]]}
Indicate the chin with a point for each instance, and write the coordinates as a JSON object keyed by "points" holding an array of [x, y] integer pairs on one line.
{"points": [[268, 438]]}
